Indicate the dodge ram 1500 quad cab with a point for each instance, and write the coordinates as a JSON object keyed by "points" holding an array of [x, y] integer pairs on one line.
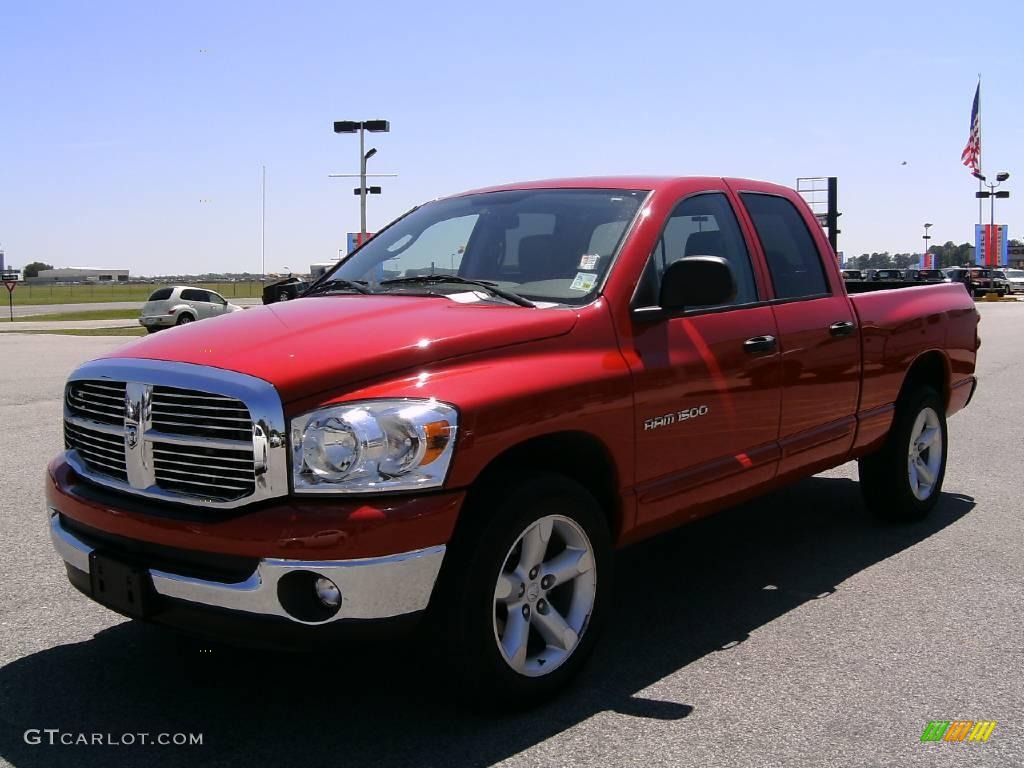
{"points": [[467, 415]]}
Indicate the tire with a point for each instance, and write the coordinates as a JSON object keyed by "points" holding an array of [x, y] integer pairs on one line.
{"points": [[488, 591], [284, 296], [185, 320], [893, 480], [151, 329]]}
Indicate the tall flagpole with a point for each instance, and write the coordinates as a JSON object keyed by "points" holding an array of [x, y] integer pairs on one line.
{"points": [[981, 217]]}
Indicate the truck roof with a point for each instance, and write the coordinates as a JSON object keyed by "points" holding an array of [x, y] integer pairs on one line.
{"points": [[624, 182]]}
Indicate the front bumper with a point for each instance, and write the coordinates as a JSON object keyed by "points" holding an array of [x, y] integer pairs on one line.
{"points": [[372, 588], [249, 575]]}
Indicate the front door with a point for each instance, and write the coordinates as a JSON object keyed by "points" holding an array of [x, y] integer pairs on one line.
{"points": [[707, 382]]}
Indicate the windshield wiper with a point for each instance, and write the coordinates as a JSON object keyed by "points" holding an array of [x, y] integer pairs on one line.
{"points": [[488, 286], [336, 285]]}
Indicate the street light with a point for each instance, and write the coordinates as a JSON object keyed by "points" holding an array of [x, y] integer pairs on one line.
{"points": [[926, 238], [992, 195], [373, 126]]}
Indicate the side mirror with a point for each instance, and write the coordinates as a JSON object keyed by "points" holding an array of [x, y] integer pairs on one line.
{"points": [[696, 281]]}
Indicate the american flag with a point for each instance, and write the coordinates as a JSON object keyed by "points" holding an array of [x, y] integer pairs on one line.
{"points": [[971, 156]]}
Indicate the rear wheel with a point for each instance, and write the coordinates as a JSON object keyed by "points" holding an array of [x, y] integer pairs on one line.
{"points": [[902, 480], [151, 329], [184, 320], [525, 591], [283, 296]]}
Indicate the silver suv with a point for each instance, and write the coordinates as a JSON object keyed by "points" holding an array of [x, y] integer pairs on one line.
{"points": [[182, 304]]}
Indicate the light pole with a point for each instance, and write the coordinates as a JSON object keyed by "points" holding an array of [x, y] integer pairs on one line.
{"points": [[373, 126], [926, 238], [992, 195]]}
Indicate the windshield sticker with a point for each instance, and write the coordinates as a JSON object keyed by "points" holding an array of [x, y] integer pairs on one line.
{"points": [[589, 260], [584, 282]]}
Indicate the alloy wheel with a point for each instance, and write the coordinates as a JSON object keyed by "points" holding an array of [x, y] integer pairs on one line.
{"points": [[544, 595]]}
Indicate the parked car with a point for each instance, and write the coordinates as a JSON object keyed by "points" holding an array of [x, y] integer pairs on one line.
{"points": [[1015, 280], [852, 274], [926, 276], [977, 280], [1000, 282], [284, 290], [609, 359], [891, 275], [180, 305]]}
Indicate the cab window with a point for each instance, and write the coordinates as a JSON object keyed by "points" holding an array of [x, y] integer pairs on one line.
{"points": [[793, 259], [700, 225]]}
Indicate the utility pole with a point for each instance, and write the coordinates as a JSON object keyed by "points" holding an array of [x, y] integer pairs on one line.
{"points": [[263, 227], [354, 126], [992, 194]]}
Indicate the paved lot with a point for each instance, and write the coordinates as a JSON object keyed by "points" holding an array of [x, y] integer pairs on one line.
{"points": [[793, 631]]}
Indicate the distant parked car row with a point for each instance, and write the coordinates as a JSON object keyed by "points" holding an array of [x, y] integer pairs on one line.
{"points": [[897, 275], [182, 304], [977, 280]]}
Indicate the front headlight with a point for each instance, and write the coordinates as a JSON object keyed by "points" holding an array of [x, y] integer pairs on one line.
{"points": [[375, 445]]}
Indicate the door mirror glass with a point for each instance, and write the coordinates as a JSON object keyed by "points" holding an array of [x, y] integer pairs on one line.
{"points": [[697, 281]]}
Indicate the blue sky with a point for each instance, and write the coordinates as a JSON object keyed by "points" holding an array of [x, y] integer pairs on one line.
{"points": [[115, 124]]}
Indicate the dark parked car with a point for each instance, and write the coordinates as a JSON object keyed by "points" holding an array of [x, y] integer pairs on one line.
{"points": [[926, 276], [284, 290], [891, 275], [852, 274], [977, 280]]}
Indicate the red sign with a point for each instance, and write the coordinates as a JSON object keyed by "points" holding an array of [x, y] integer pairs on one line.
{"points": [[11, 284]]}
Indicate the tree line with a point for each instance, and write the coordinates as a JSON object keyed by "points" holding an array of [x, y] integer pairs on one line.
{"points": [[948, 255]]}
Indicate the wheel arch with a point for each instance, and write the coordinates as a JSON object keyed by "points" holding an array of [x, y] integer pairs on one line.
{"points": [[930, 368], [579, 455]]}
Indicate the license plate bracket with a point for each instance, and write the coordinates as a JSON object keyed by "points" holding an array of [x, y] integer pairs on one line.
{"points": [[122, 587]]}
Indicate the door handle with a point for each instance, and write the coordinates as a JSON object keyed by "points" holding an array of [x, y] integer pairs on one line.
{"points": [[760, 344], [844, 328]]}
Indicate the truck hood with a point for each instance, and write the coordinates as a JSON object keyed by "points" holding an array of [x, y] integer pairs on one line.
{"points": [[325, 343]]}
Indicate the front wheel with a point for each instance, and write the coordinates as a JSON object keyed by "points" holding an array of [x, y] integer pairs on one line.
{"points": [[902, 480], [526, 590]]}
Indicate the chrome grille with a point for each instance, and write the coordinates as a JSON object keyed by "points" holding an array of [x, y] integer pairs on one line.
{"points": [[162, 440], [215, 472], [101, 451], [200, 414], [101, 401]]}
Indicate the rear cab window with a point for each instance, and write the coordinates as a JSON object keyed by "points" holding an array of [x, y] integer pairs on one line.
{"points": [[794, 262]]}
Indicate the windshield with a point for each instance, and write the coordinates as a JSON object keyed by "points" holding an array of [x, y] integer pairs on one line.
{"points": [[546, 245], [1015, 273]]}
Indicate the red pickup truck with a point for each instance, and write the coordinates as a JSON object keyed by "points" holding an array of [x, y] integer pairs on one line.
{"points": [[467, 415]]}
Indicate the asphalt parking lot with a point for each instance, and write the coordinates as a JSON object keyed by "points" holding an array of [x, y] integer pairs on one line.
{"points": [[792, 631]]}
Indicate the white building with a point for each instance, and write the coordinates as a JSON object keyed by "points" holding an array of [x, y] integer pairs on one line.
{"points": [[80, 275]]}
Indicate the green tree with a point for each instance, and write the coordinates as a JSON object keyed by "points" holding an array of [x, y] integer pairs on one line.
{"points": [[32, 270], [905, 260]]}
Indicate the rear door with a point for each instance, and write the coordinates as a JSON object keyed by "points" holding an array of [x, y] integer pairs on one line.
{"points": [[196, 300], [818, 337], [707, 382]]}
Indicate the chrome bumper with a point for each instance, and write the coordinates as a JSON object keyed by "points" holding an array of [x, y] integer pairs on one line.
{"points": [[371, 588]]}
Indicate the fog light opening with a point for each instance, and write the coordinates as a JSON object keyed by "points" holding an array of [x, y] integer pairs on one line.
{"points": [[308, 596], [327, 592]]}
